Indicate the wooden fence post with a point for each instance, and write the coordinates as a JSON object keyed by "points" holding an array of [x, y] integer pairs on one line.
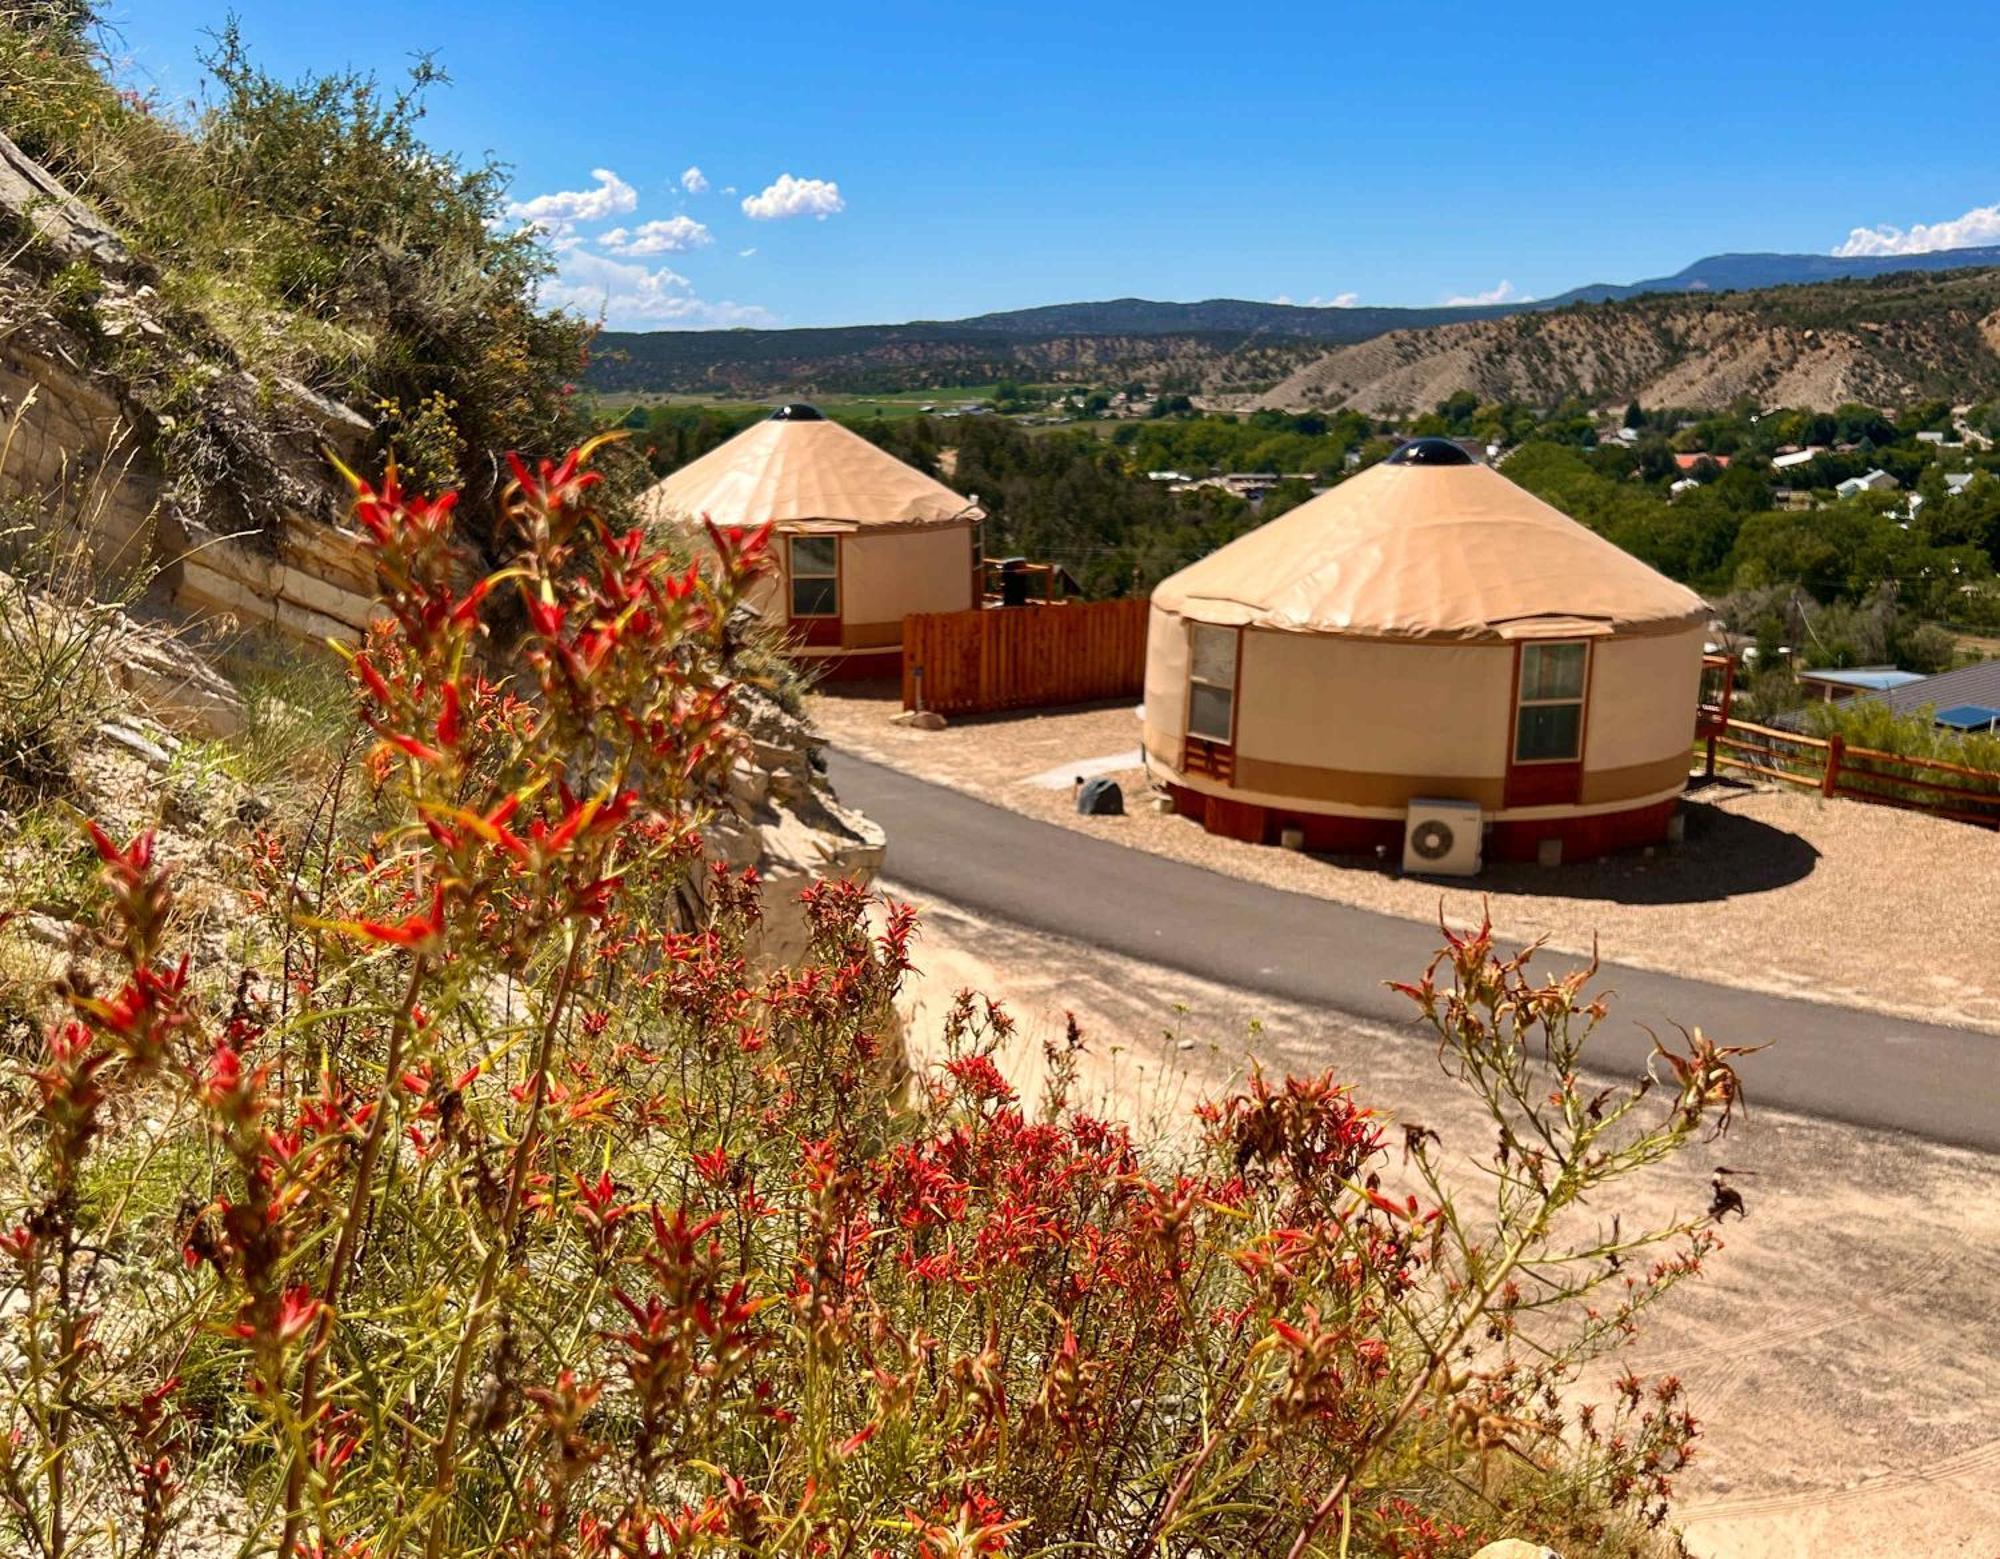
{"points": [[1836, 748]]}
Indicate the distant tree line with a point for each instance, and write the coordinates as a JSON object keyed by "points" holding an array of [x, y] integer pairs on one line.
{"points": [[1867, 573]]}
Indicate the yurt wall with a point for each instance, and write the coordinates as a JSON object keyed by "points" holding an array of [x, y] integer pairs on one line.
{"points": [[886, 577], [1642, 696], [1166, 687], [1317, 714]]}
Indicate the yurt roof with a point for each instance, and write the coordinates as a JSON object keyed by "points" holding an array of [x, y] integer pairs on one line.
{"points": [[1429, 547], [806, 473]]}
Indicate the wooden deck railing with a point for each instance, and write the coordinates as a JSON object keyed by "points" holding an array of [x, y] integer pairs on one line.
{"points": [[1024, 657], [1834, 768]]}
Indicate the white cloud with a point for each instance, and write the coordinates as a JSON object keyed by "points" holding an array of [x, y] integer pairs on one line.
{"points": [[1504, 293], [694, 181], [628, 295], [1980, 225], [791, 197], [1340, 300], [669, 235], [558, 213], [744, 254]]}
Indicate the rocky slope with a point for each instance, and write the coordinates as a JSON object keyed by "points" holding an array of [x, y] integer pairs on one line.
{"points": [[1882, 343]]}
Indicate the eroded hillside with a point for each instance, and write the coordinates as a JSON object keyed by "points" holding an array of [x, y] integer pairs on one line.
{"points": [[1883, 342]]}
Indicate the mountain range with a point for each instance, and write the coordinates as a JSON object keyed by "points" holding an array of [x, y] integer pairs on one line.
{"points": [[1289, 354]]}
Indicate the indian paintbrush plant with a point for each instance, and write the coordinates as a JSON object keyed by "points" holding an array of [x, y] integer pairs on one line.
{"points": [[504, 1203]]}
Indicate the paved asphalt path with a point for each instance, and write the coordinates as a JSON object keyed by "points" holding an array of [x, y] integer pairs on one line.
{"points": [[1833, 1062]]}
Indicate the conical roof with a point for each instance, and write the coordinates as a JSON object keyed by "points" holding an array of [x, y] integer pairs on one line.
{"points": [[806, 473], [1416, 550]]}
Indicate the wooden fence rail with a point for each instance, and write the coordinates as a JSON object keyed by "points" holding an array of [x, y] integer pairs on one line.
{"points": [[1024, 657], [1833, 768]]}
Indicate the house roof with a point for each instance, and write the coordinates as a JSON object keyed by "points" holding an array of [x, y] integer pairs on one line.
{"points": [[1873, 679], [1978, 683], [1410, 549], [1689, 462], [806, 473]]}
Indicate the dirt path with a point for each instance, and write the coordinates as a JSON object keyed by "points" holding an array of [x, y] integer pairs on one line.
{"points": [[1843, 1353], [1860, 906]]}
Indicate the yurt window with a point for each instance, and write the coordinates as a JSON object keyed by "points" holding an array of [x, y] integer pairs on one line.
{"points": [[1548, 724], [1212, 683], [815, 576]]}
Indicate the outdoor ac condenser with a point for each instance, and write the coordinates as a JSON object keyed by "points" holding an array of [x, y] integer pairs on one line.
{"points": [[1442, 838]]}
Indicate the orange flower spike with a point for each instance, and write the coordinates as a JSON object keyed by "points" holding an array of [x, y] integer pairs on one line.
{"points": [[376, 683], [409, 746], [132, 860], [419, 933], [450, 727]]}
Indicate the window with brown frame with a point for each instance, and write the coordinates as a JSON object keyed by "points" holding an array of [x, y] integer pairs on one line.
{"points": [[1212, 655], [815, 567], [1548, 714]]}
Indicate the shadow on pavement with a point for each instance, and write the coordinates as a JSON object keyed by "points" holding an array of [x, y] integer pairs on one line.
{"points": [[1725, 855]]}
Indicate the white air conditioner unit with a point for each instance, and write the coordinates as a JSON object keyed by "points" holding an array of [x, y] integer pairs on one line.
{"points": [[1442, 838]]}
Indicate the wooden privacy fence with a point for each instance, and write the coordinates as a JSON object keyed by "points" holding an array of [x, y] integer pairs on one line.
{"points": [[1023, 657], [1832, 767]]}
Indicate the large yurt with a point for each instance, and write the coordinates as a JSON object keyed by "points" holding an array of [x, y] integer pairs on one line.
{"points": [[1425, 659], [862, 539]]}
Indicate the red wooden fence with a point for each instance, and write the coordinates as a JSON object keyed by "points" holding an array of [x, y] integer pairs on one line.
{"points": [[1024, 657], [1833, 768]]}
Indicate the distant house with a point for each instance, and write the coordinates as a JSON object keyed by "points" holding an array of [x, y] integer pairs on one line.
{"points": [[1836, 686], [1689, 462], [1965, 700], [1796, 457], [1930, 438], [1956, 482], [1685, 483], [1876, 481]]}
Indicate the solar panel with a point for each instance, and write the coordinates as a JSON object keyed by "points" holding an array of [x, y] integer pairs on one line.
{"points": [[1968, 717]]}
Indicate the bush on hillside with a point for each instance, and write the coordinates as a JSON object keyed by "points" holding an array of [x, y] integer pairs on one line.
{"points": [[307, 229], [495, 1202]]}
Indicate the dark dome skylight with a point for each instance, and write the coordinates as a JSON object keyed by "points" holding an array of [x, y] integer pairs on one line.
{"points": [[798, 411], [1429, 452]]}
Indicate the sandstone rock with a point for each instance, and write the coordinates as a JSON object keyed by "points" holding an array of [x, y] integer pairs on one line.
{"points": [[1515, 1548], [783, 819], [137, 743], [170, 681], [920, 720]]}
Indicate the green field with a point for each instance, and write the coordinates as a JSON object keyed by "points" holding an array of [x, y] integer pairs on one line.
{"points": [[900, 403]]}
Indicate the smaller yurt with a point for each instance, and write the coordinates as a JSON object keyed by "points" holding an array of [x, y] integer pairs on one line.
{"points": [[1427, 660], [862, 539]]}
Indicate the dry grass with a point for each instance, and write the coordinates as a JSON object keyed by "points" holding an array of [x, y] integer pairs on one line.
{"points": [[1861, 905]]}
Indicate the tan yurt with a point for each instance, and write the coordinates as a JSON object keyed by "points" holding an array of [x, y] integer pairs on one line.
{"points": [[862, 539], [1426, 659]]}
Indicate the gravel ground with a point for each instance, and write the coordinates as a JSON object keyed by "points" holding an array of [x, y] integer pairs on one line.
{"points": [[1842, 1351], [1867, 906]]}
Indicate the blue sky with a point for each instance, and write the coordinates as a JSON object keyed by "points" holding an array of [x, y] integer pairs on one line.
{"points": [[931, 161]]}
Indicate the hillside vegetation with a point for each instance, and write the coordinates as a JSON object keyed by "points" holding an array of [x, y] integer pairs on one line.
{"points": [[302, 234]]}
